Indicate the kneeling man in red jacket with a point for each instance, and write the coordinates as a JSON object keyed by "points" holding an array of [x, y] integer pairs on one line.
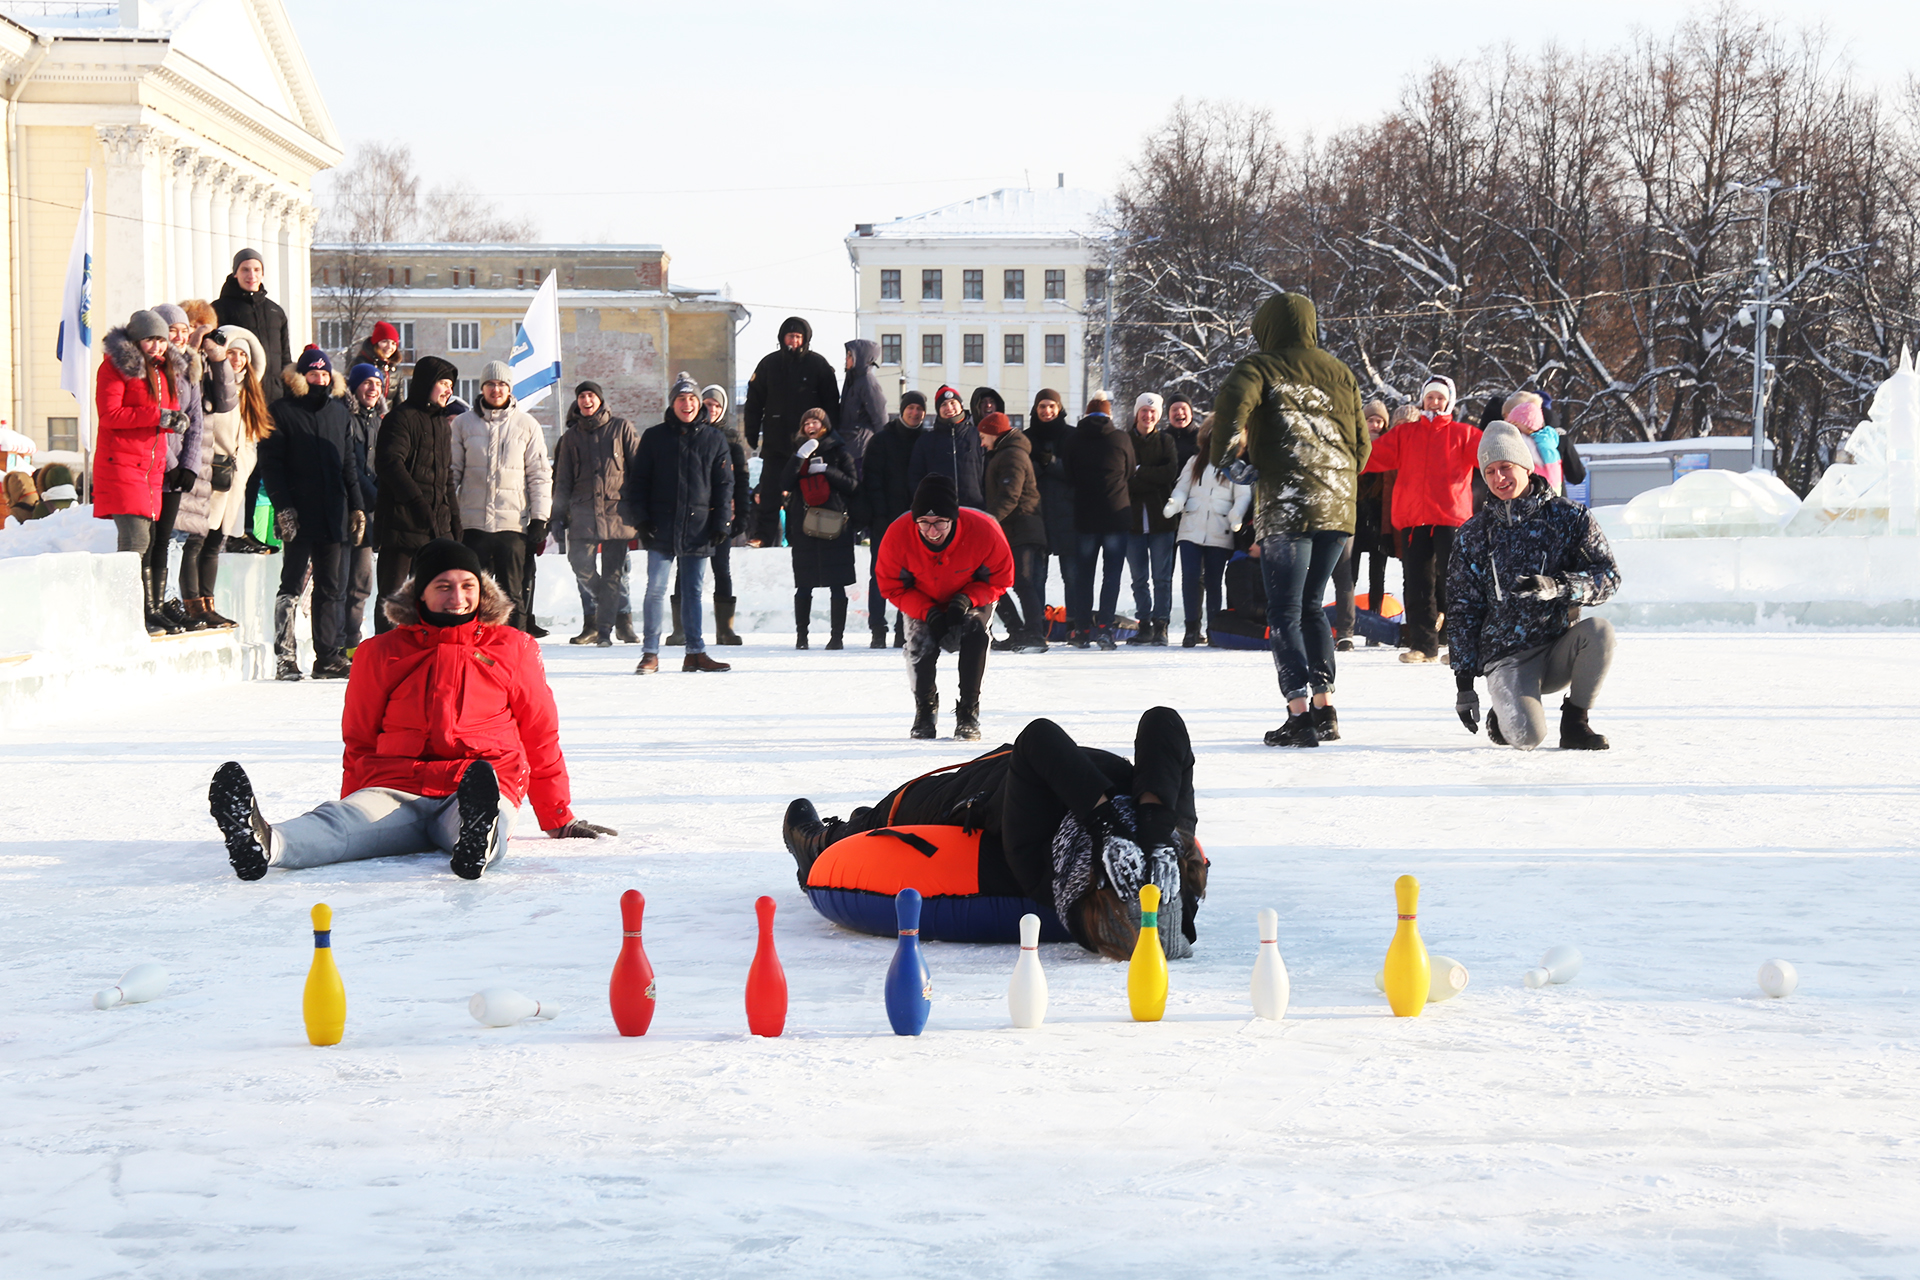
{"points": [[449, 726], [943, 565]]}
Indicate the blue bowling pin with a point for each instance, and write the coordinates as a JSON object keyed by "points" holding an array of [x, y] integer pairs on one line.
{"points": [[909, 985]]}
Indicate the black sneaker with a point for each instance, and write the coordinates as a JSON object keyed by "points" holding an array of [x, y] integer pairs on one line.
{"points": [[1031, 642], [1326, 724], [176, 613], [333, 669], [288, 669], [248, 836], [1298, 731], [479, 799], [1006, 644], [1078, 640], [537, 631]]}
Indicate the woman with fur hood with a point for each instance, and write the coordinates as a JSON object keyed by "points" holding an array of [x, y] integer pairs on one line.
{"points": [[214, 511], [137, 406], [449, 727]]}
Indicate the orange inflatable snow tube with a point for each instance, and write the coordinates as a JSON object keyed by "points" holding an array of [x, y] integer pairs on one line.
{"points": [[854, 880]]}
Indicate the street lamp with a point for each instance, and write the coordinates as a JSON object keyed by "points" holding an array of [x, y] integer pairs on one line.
{"points": [[1761, 311]]}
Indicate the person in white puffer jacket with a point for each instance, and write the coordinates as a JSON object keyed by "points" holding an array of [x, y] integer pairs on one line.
{"points": [[1211, 509], [504, 483]]}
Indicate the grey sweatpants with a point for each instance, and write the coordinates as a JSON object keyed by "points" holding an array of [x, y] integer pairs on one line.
{"points": [[1577, 662], [377, 822]]}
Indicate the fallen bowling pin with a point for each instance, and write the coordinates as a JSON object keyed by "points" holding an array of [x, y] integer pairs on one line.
{"points": [[1270, 988], [1449, 979], [143, 982], [1027, 990], [1778, 978], [1560, 964], [502, 1007]]}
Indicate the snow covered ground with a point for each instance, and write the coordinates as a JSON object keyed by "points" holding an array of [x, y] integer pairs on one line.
{"points": [[1657, 1117]]}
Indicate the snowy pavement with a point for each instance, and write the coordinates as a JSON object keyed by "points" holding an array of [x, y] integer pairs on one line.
{"points": [[1656, 1117]]}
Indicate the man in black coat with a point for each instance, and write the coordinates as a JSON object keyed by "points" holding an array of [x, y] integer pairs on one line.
{"points": [[950, 447], [679, 495], [1100, 463], [310, 471], [243, 301], [785, 384], [863, 402], [884, 496], [413, 462], [1048, 431]]}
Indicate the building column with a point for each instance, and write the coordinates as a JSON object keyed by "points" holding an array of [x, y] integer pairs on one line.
{"points": [[200, 229], [129, 207], [254, 199], [219, 225], [280, 240], [181, 250], [306, 219]]}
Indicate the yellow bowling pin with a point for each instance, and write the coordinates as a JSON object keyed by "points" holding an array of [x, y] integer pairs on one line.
{"points": [[325, 1004], [1408, 972], [1147, 971]]}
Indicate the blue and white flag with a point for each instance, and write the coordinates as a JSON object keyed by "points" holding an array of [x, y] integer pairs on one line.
{"points": [[535, 362], [76, 308]]}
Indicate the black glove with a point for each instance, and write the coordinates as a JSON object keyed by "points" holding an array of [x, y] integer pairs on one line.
{"points": [[960, 621], [1538, 586], [286, 525], [537, 535], [559, 532], [648, 533], [181, 479], [1466, 705], [581, 829], [937, 622]]}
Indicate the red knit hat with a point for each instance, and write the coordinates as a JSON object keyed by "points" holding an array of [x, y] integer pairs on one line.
{"points": [[995, 424], [384, 332]]}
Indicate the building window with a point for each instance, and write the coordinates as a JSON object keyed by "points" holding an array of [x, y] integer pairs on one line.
{"points": [[493, 282], [890, 348], [933, 348], [1017, 419], [1016, 348], [1015, 287], [1056, 286], [469, 277], [63, 433], [406, 341], [539, 276], [467, 390], [408, 273], [1096, 283], [889, 286], [334, 335], [1056, 348], [972, 286], [463, 335], [390, 279], [930, 286], [973, 348]]}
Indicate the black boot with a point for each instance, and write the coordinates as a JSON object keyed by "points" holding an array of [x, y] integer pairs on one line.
{"points": [[1494, 735], [478, 797], [926, 716], [1326, 723], [837, 608], [808, 834], [723, 632], [1298, 731], [879, 640], [623, 627], [966, 720], [176, 612], [1193, 639], [158, 624], [1157, 635], [676, 636], [1575, 733], [589, 630], [249, 838], [802, 615], [899, 630], [1142, 633]]}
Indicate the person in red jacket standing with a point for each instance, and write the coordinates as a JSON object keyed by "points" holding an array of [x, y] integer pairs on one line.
{"points": [[137, 408], [1435, 457], [449, 726], [943, 566]]}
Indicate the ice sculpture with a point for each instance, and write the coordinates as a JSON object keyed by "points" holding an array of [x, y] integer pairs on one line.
{"points": [[1712, 504]]}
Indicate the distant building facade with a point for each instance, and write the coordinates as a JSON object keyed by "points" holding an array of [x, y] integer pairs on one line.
{"points": [[988, 292]]}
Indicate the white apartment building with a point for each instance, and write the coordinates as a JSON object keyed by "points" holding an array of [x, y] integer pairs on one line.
{"points": [[988, 292]]}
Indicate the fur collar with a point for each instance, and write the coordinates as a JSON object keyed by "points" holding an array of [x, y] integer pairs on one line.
{"points": [[296, 383], [403, 608], [123, 353]]}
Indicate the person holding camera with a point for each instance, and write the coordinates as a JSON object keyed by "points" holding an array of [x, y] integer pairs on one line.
{"points": [[943, 566]]}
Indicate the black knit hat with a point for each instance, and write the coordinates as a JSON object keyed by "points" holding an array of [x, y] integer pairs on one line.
{"points": [[914, 397], [936, 496], [592, 386], [438, 556]]}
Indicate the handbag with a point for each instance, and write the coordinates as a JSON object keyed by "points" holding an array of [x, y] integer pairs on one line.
{"points": [[221, 477], [824, 523]]}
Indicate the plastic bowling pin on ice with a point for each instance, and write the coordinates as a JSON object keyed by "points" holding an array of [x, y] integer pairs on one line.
{"points": [[766, 980], [1408, 971], [909, 984], [325, 1002], [1560, 964], [503, 1006], [1027, 991], [1147, 971], [143, 982], [1449, 979], [631, 991], [1270, 988], [1778, 978]]}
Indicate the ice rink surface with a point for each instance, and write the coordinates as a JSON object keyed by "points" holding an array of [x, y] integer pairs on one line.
{"points": [[1658, 1117]]}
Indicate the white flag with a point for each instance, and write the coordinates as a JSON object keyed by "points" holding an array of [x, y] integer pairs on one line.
{"points": [[535, 362], [76, 308]]}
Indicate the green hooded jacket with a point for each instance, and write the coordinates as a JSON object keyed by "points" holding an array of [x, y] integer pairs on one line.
{"points": [[1293, 411]]}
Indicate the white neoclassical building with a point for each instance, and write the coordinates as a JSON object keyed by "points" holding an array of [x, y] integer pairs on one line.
{"points": [[204, 128], [987, 292]]}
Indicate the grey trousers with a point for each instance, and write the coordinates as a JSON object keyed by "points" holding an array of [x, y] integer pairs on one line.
{"points": [[377, 822], [1577, 662]]}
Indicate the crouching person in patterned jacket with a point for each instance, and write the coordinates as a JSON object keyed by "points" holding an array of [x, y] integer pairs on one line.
{"points": [[1521, 568], [449, 726]]}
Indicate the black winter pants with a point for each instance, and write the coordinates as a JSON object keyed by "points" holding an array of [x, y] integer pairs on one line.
{"points": [[327, 562], [200, 563], [923, 655], [1030, 613], [395, 567], [504, 555], [162, 544], [764, 524], [1429, 550]]}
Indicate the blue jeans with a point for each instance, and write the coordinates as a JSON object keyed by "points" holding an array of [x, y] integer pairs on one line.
{"points": [[1151, 553], [1295, 568], [1080, 587], [693, 584], [1201, 566]]}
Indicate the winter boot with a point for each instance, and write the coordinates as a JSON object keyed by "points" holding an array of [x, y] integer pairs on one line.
{"points": [[1103, 636], [1157, 636], [1078, 639], [1193, 639], [649, 665], [249, 838], [478, 843], [802, 615], [1031, 642], [676, 636], [701, 662], [176, 612], [158, 624], [1142, 633], [879, 640], [899, 630], [589, 630], [604, 639], [966, 720], [926, 716], [1326, 723], [723, 632], [1298, 731], [288, 669], [203, 606], [1494, 735], [837, 608], [1575, 733], [808, 834], [623, 626]]}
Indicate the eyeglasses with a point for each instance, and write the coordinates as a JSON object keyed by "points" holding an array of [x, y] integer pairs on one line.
{"points": [[932, 522]]}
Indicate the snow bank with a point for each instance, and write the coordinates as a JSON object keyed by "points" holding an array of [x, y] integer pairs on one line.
{"points": [[70, 529]]}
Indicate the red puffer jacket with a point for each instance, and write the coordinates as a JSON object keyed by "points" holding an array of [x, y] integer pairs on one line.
{"points": [[423, 701], [131, 456], [916, 579], [1435, 459]]}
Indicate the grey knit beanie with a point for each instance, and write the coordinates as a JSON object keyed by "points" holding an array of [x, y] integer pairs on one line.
{"points": [[247, 255], [172, 314], [1504, 442], [146, 324], [683, 385], [496, 371]]}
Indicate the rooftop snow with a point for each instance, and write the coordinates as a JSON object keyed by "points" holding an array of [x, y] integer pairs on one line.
{"points": [[1010, 211]]}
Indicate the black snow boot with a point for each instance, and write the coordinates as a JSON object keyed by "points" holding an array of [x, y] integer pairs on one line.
{"points": [[802, 615], [879, 640], [926, 718], [623, 627], [1157, 633], [589, 631], [1326, 723], [837, 609], [1575, 733], [479, 799], [723, 632], [1298, 731], [1494, 735], [966, 720], [676, 636], [1142, 633], [1103, 636], [249, 838], [808, 834], [1193, 638], [288, 669]]}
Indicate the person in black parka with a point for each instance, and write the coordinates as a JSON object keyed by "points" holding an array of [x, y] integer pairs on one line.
{"points": [[679, 494], [1048, 431], [863, 402], [785, 384], [884, 496], [413, 464], [1100, 463], [820, 474], [950, 447]]}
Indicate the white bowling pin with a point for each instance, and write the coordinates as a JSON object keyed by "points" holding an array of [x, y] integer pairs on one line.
{"points": [[1562, 964], [1778, 978], [1027, 990], [502, 1007], [1269, 986], [1449, 979], [143, 982]]}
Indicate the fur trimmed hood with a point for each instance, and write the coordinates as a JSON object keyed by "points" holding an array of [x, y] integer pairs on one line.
{"points": [[403, 606], [123, 353], [295, 383]]}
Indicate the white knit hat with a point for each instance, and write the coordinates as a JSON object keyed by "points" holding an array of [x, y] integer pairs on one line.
{"points": [[1147, 398]]}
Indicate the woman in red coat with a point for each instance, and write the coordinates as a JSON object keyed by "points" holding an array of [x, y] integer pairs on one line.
{"points": [[136, 407], [449, 727], [943, 565]]}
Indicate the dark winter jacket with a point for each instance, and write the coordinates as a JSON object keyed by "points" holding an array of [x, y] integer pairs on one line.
{"points": [[1536, 533], [1100, 462], [1185, 439], [1156, 470], [679, 487], [1050, 468], [131, 450], [1293, 411], [863, 403], [589, 475], [366, 430], [1012, 491], [953, 450], [885, 491], [821, 562], [307, 465], [785, 384], [262, 317], [413, 458], [742, 480]]}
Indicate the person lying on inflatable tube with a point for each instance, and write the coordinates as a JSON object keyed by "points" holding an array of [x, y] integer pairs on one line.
{"points": [[1043, 825]]}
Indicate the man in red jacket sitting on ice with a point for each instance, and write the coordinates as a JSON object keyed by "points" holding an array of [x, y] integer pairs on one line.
{"points": [[449, 725], [943, 565]]}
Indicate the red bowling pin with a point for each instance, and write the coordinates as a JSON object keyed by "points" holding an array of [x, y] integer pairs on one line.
{"points": [[766, 980], [631, 990]]}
